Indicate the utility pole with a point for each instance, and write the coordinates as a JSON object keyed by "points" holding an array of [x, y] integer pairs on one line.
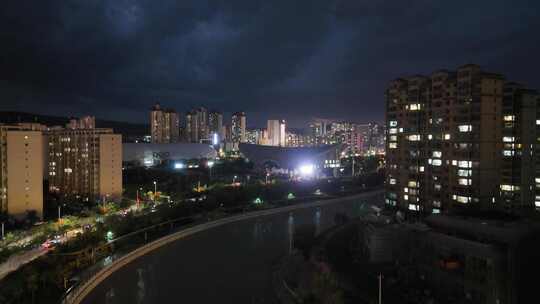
{"points": [[380, 287], [59, 215], [2, 230], [352, 166], [155, 191]]}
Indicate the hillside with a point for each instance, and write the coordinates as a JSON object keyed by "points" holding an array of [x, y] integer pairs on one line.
{"points": [[127, 129]]}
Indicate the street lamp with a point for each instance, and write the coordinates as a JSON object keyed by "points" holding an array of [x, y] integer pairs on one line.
{"points": [[138, 200], [155, 191], [210, 164], [234, 179]]}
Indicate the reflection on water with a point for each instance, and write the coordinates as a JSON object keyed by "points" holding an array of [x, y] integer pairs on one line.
{"points": [[290, 230], [141, 291], [231, 263], [317, 221]]}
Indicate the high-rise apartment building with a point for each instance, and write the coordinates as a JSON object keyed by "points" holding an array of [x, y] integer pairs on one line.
{"points": [[238, 127], [164, 125], [21, 171], [192, 127], [86, 122], [276, 133], [444, 139], [215, 125], [202, 123], [520, 181], [84, 163]]}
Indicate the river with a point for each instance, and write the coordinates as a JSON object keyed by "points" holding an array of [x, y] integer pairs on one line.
{"points": [[232, 263]]}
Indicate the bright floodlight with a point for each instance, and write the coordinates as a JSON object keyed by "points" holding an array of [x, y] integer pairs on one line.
{"points": [[179, 166], [210, 163], [307, 169]]}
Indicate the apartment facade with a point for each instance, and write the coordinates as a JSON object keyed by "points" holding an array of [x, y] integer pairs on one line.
{"points": [[164, 125], [215, 125], [21, 171], [238, 127], [444, 140], [277, 133], [520, 180], [84, 163]]}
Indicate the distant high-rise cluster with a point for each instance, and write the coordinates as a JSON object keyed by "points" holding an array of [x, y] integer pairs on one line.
{"points": [[358, 139], [199, 126], [461, 137]]}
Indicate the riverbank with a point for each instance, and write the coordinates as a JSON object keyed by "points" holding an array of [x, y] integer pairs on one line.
{"points": [[81, 292]]}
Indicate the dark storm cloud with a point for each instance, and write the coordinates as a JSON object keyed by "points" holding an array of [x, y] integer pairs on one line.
{"points": [[292, 59]]}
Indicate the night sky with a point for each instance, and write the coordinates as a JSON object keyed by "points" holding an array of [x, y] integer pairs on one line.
{"points": [[273, 59]]}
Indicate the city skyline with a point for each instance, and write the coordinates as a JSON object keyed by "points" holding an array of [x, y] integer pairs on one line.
{"points": [[211, 55]]}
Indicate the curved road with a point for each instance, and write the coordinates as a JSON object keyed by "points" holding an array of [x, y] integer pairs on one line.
{"points": [[232, 263]]}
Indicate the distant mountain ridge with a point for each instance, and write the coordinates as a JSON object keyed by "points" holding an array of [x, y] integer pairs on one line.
{"points": [[127, 129]]}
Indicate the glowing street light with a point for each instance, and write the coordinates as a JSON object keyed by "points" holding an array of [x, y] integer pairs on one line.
{"points": [[258, 201], [307, 170], [179, 166], [210, 164], [109, 236], [291, 196], [155, 191]]}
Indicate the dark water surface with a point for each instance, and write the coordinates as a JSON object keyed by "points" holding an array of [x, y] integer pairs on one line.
{"points": [[227, 264]]}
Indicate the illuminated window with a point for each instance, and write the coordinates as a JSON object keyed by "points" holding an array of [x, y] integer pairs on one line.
{"points": [[454, 162], [538, 121], [465, 128], [437, 204], [508, 152], [412, 184], [406, 190], [464, 173], [392, 145], [537, 180], [392, 130], [414, 137], [436, 211], [430, 137], [437, 154], [406, 197], [393, 123], [436, 162], [465, 181], [462, 199], [421, 168], [437, 187], [465, 164], [508, 139], [509, 187], [415, 107], [414, 207], [447, 136], [393, 137], [400, 130], [392, 181], [509, 117]]}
